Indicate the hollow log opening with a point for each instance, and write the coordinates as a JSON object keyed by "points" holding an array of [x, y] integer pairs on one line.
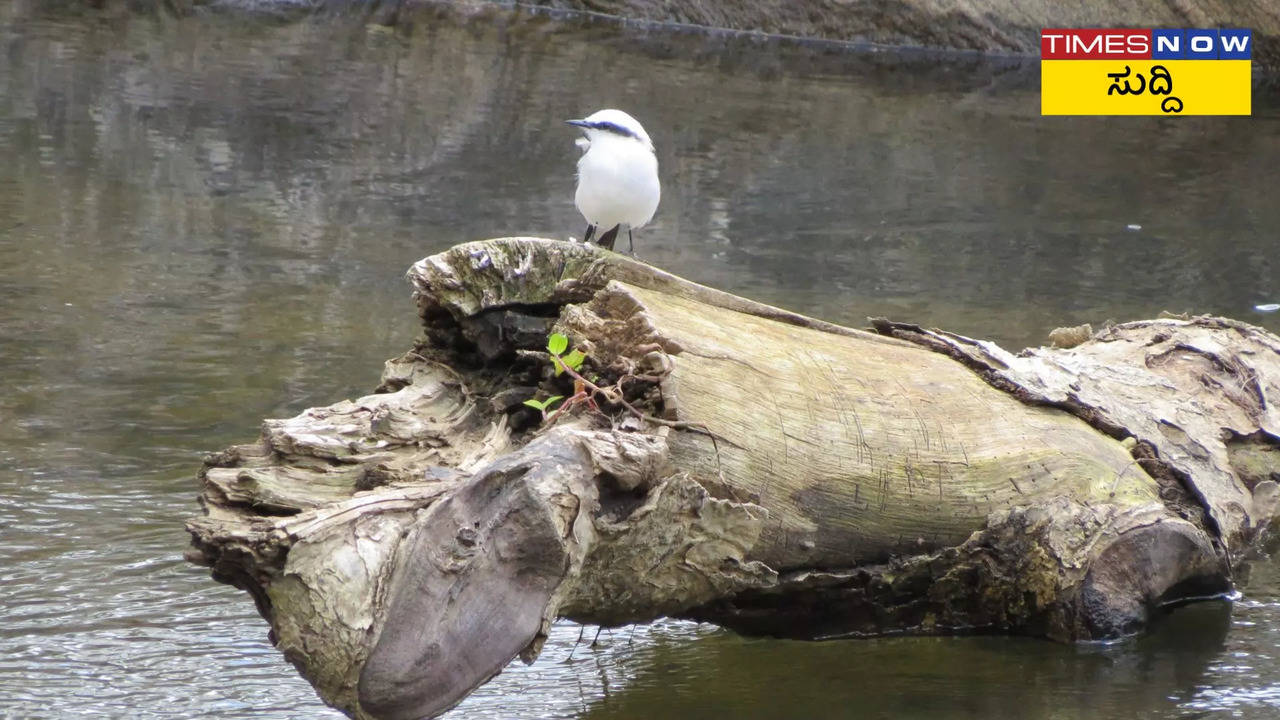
{"points": [[721, 460]]}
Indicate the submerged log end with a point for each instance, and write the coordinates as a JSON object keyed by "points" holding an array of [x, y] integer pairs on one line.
{"points": [[1143, 570], [1063, 570]]}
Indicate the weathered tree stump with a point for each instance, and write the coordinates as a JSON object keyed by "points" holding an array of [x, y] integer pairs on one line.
{"points": [[778, 475]]}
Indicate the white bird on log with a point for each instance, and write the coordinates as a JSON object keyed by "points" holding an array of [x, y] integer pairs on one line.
{"points": [[617, 176]]}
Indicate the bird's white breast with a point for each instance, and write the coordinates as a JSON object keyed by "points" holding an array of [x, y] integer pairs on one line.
{"points": [[617, 182]]}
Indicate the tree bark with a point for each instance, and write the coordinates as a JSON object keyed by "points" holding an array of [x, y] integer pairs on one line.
{"points": [[748, 466]]}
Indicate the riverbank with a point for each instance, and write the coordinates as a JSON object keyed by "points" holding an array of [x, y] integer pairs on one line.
{"points": [[989, 27]]}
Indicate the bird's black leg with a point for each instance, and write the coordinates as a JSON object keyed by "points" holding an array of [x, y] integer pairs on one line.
{"points": [[591, 231], [607, 239], [631, 244]]}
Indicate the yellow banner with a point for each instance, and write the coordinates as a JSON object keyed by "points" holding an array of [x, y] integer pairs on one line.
{"points": [[1145, 87]]}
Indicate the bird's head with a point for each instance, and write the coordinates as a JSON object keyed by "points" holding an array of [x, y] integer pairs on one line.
{"points": [[612, 123]]}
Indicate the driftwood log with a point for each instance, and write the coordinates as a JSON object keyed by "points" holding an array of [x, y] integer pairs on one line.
{"points": [[743, 465]]}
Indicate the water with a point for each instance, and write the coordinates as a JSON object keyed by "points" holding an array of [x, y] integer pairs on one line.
{"points": [[205, 221]]}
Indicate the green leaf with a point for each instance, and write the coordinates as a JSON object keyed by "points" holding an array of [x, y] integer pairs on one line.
{"points": [[559, 365], [542, 404], [574, 359], [557, 343]]}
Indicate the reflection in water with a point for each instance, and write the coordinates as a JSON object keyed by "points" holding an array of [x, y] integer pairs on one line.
{"points": [[205, 221], [722, 675]]}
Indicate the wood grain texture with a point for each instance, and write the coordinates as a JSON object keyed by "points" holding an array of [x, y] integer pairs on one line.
{"points": [[862, 449]]}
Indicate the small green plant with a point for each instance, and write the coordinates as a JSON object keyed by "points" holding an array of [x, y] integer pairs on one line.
{"points": [[556, 345], [542, 404], [585, 392]]}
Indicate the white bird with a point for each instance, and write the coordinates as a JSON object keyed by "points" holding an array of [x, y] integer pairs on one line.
{"points": [[617, 175]]}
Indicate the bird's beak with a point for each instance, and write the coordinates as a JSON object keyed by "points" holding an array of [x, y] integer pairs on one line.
{"points": [[579, 123]]}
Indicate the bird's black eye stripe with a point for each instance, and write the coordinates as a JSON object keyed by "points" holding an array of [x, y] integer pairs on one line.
{"points": [[614, 128]]}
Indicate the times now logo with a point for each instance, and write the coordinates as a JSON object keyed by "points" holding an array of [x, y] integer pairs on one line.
{"points": [[1159, 44]]}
